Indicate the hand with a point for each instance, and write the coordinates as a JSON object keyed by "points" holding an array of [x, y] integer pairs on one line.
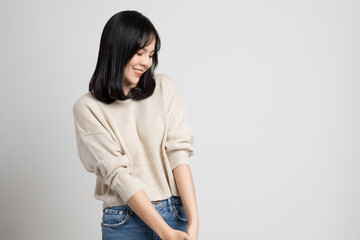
{"points": [[177, 235], [193, 231]]}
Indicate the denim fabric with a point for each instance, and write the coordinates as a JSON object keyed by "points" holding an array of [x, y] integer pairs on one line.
{"points": [[121, 222]]}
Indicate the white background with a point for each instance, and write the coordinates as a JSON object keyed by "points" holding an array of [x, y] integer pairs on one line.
{"points": [[272, 90]]}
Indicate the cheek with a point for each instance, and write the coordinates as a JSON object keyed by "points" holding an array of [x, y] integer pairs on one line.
{"points": [[127, 71], [131, 64], [151, 63], [134, 61]]}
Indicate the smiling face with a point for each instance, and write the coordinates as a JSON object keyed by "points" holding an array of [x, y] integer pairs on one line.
{"points": [[139, 63]]}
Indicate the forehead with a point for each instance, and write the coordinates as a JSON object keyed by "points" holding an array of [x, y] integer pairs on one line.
{"points": [[149, 48], [148, 41]]}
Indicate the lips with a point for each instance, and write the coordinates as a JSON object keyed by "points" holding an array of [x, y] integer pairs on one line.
{"points": [[138, 72]]}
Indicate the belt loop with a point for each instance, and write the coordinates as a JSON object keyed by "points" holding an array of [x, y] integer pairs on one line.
{"points": [[171, 206]]}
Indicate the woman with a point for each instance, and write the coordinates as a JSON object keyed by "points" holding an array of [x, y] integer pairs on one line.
{"points": [[131, 131]]}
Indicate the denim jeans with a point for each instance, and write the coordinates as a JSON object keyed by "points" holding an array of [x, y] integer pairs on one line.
{"points": [[121, 222]]}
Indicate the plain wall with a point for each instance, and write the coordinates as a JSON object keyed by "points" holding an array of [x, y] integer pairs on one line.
{"points": [[272, 91]]}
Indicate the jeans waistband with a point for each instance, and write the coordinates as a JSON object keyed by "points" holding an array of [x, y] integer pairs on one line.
{"points": [[169, 202]]}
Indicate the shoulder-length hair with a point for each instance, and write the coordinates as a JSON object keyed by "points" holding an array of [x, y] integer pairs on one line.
{"points": [[124, 34]]}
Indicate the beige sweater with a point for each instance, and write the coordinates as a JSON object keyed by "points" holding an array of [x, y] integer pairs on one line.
{"points": [[134, 145]]}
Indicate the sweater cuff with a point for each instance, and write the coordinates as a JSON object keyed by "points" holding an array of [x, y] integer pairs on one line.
{"points": [[126, 186], [177, 158]]}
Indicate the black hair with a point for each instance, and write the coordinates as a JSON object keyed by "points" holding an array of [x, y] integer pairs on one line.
{"points": [[124, 34]]}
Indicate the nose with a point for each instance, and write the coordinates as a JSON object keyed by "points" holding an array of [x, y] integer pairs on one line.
{"points": [[146, 61]]}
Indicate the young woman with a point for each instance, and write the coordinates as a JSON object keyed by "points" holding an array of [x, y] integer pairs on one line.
{"points": [[132, 133]]}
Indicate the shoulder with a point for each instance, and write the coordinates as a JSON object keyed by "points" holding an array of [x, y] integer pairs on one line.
{"points": [[90, 115], [86, 103], [166, 83]]}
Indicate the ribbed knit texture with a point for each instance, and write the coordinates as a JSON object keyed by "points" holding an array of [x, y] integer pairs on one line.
{"points": [[134, 145]]}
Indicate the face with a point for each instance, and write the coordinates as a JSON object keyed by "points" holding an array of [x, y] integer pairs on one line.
{"points": [[139, 63]]}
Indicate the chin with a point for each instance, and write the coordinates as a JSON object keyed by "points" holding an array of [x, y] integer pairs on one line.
{"points": [[135, 82], [131, 81]]}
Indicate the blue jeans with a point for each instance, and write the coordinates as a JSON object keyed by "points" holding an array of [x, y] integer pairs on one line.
{"points": [[121, 222]]}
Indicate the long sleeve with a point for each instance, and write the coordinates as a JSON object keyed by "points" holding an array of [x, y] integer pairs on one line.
{"points": [[100, 151], [180, 136]]}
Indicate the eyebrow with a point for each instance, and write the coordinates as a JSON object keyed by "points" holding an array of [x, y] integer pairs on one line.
{"points": [[146, 49]]}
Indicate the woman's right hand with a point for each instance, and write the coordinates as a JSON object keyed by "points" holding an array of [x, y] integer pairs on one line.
{"points": [[178, 235]]}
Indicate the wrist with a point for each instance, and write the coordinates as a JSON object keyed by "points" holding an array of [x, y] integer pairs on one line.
{"points": [[166, 232]]}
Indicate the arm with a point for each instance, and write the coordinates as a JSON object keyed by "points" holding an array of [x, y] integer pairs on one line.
{"points": [[100, 152], [185, 185], [179, 149], [142, 206]]}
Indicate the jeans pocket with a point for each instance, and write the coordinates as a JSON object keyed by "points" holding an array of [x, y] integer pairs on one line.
{"points": [[179, 212], [114, 218]]}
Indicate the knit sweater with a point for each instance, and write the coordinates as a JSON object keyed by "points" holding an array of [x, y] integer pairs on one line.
{"points": [[134, 145]]}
